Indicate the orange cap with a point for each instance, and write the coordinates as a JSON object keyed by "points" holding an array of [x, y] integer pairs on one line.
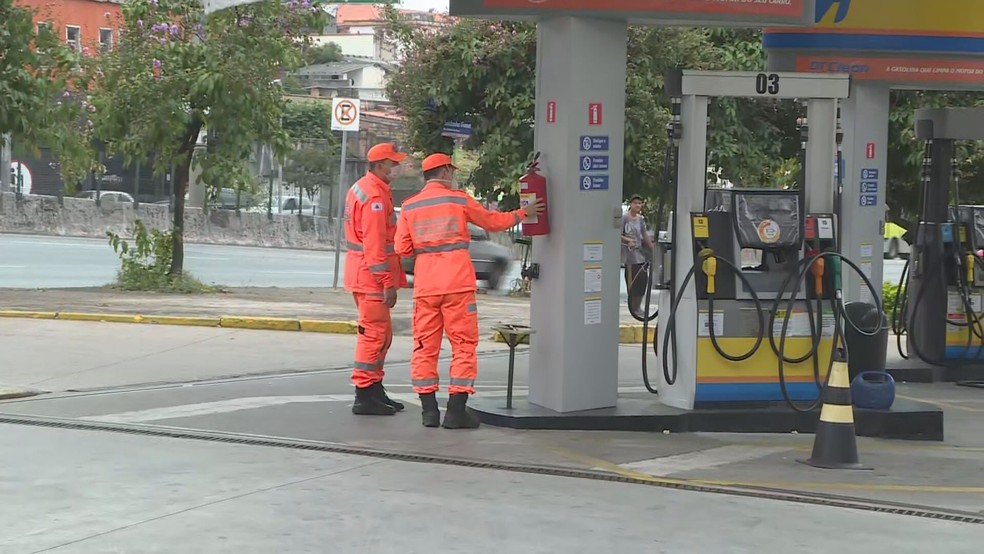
{"points": [[385, 151], [435, 161]]}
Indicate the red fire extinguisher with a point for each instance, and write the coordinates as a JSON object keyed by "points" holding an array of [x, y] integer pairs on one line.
{"points": [[532, 186]]}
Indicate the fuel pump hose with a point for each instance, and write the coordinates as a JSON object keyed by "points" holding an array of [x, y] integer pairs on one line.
{"points": [[839, 315]]}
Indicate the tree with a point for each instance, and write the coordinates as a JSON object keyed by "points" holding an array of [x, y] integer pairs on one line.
{"points": [[323, 53], [484, 73], [312, 164], [175, 73], [42, 97]]}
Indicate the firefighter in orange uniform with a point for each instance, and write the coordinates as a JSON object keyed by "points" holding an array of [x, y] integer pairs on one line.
{"points": [[373, 274], [433, 226]]}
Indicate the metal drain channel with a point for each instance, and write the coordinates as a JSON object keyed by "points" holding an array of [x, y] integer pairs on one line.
{"points": [[817, 499]]}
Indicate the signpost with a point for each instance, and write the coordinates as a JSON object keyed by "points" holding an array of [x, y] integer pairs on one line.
{"points": [[345, 116]]}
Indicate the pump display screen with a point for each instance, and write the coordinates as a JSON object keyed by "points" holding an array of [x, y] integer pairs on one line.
{"points": [[767, 220]]}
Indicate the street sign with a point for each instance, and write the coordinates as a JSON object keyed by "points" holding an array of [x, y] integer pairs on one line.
{"points": [[594, 163], [457, 129], [594, 182], [345, 114], [594, 113], [594, 143]]}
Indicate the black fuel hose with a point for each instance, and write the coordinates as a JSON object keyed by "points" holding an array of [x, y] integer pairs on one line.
{"points": [[840, 314], [760, 336]]}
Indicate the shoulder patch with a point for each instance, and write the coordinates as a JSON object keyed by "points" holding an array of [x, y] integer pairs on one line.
{"points": [[376, 206]]}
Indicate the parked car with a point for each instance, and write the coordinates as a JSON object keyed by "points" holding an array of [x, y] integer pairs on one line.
{"points": [[491, 260], [108, 196]]}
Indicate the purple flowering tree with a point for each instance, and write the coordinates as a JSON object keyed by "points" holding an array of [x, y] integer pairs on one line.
{"points": [[175, 73]]}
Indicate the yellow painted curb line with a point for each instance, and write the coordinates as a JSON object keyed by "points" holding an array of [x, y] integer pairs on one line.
{"points": [[229, 322], [264, 323], [31, 315], [334, 327], [180, 320], [9, 393], [627, 334]]}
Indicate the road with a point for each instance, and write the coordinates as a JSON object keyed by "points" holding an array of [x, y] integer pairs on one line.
{"points": [[233, 491], [28, 261]]}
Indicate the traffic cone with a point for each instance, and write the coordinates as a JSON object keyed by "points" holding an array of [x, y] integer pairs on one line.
{"points": [[835, 445]]}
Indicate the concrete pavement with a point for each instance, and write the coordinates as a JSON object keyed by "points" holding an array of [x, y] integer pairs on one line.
{"points": [[297, 394], [143, 495]]}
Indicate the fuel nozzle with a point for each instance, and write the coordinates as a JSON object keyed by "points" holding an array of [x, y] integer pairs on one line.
{"points": [[817, 269], [970, 266], [835, 267], [709, 266]]}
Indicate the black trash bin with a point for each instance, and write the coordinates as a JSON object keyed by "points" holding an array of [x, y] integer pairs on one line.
{"points": [[865, 353]]}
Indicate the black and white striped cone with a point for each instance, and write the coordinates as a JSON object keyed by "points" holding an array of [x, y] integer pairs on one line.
{"points": [[835, 445]]}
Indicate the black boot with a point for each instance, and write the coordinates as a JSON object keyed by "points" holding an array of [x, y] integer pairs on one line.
{"points": [[458, 416], [368, 402], [431, 415], [398, 406]]}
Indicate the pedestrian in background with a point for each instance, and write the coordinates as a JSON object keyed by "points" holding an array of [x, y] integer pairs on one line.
{"points": [[433, 227], [373, 274], [634, 237]]}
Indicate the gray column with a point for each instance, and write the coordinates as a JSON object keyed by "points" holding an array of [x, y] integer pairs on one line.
{"points": [[581, 77], [821, 155], [864, 118]]}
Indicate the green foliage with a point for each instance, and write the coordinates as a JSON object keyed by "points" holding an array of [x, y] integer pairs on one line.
{"points": [[308, 120], [483, 72], [324, 53], [312, 164], [36, 73], [889, 290], [175, 72], [144, 266]]}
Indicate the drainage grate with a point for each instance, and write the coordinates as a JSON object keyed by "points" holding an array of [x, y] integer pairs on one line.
{"points": [[259, 440]]}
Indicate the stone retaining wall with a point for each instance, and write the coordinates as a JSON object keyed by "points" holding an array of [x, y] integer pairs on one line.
{"points": [[80, 217]]}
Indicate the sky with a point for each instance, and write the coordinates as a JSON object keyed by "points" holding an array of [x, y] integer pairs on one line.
{"points": [[440, 5]]}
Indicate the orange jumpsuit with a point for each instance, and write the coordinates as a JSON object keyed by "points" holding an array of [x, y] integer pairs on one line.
{"points": [[371, 265], [433, 226]]}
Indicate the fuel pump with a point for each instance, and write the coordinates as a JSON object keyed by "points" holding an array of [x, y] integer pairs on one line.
{"points": [[939, 304], [714, 311]]}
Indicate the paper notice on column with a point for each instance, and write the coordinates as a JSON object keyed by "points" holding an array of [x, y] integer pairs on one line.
{"points": [[592, 278], [592, 310], [866, 250], [865, 295], [592, 251]]}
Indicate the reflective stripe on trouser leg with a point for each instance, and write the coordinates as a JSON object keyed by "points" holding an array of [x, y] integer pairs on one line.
{"points": [[461, 314], [428, 331], [370, 346]]}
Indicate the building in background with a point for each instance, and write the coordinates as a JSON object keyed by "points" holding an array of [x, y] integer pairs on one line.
{"points": [[82, 24]]}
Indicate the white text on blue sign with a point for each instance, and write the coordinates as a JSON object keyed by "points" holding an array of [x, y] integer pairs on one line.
{"points": [[869, 187], [869, 174], [594, 163], [594, 143], [594, 182], [868, 200]]}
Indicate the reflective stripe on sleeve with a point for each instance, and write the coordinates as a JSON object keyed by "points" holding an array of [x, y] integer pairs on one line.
{"points": [[357, 191]]}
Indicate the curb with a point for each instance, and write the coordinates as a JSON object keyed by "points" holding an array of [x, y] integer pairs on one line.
{"points": [[627, 334], [10, 393]]}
